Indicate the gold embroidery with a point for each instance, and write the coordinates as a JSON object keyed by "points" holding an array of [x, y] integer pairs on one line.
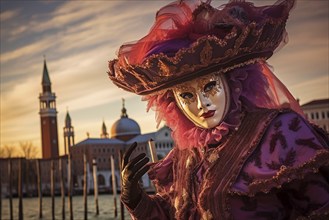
{"points": [[184, 195], [284, 175], [203, 81], [184, 68], [207, 215], [166, 69], [206, 54], [183, 88], [210, 49], [176, 203], [213, 157], [188, 162]]}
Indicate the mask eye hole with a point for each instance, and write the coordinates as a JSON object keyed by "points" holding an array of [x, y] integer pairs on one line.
{"points": [[186, 95], [209, 86]]}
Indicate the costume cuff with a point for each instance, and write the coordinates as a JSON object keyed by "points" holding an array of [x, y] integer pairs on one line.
{"points": [[140, 211]]}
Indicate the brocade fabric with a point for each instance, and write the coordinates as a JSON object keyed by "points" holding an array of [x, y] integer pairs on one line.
{"points": [[275, 166]]}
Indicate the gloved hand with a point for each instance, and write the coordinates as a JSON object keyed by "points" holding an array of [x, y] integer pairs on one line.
{"points": [[132, 171]]}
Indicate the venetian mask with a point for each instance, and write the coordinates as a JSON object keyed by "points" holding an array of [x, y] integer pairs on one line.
{"points": [[205, 100]]}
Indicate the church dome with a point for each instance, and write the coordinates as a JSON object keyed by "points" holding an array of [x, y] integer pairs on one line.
{"points": [[125, 128]]}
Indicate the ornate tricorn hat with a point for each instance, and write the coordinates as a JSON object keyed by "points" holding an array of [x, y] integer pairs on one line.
{"points": [[191, 38]]}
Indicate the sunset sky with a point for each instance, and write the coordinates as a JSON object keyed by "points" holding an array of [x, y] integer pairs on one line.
{"points": [[79, 37]]}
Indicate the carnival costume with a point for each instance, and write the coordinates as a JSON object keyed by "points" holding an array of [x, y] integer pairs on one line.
{"points": [[262, 159]]}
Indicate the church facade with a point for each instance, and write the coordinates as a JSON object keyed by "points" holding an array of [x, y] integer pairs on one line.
{"points": [[124, 132]]}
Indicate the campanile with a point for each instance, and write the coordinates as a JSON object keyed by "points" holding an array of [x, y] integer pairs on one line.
{"points": [[48, 116]]}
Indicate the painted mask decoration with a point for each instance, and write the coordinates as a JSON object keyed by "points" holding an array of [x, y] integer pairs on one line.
{"points": [[204, 100]]}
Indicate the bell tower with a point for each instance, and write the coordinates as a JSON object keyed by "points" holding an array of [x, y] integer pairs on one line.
{"points": [[48, 116], [68, 134]]}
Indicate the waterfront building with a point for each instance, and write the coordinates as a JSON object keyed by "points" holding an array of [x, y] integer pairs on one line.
{"points": [[124, 132], [317, 111]]}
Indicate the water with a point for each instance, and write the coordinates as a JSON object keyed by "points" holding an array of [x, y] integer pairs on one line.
{"points": [[31, 208]]}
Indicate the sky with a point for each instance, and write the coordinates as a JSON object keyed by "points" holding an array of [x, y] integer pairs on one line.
{"points": [[78, 38]]}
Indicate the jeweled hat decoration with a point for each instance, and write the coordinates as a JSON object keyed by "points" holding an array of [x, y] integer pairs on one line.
{"points": [[191, 38]]}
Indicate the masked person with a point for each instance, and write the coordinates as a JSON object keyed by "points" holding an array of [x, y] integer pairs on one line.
{"points": [[243, 149]]}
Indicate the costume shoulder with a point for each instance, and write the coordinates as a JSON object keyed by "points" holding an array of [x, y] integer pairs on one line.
{"points": [[291, 148]]}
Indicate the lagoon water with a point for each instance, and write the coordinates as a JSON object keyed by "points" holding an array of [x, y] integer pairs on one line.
{"points": [[31, 208]]}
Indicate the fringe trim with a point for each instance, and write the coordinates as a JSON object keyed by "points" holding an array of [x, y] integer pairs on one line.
{"points": [[288, 174]]}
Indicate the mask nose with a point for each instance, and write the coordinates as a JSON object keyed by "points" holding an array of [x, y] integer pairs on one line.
{"points": [[203, 102]]}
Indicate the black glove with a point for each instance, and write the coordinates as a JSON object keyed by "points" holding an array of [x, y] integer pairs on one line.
{"points": [[132, 171]]}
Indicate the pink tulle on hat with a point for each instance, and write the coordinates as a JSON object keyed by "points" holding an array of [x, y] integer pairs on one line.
{"points": [[191, 38]]}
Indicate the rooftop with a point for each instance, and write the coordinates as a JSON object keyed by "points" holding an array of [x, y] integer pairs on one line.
{"points": [[91, 141], [317, 102], [142, 138]]}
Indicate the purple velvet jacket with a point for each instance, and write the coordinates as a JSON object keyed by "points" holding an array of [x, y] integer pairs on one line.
{"points": [[275, 166]]}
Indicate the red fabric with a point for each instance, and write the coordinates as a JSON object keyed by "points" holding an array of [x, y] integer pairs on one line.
{"points": [[185, 20]]}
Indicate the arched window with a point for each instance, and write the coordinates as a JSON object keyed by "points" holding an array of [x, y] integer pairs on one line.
{"points": [[101, 180]]}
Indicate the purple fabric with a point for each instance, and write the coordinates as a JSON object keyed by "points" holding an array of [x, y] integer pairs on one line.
{"points": [[169, 47], [289, 142]]}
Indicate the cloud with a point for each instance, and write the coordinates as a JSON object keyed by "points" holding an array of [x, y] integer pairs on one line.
{"points": [[9, 14], [79, 37], [309, 90], [26, 50], [22, 99]]}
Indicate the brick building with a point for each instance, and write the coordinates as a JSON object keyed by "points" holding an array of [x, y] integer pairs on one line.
{"points": [[48, 117]]}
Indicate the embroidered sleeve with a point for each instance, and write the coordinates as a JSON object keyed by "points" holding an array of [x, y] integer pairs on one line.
{"points": [[290, 149], [292, 157]]}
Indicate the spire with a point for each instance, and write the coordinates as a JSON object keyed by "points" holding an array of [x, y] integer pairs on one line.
{"points": [[68, 120], [46, 84], [104, 128], [124, 110], [45, 76], [68, 133], [104, 133]]}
